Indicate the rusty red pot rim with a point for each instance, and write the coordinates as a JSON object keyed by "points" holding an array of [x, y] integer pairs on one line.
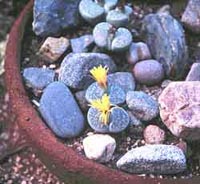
{"points": [[62, 160]]}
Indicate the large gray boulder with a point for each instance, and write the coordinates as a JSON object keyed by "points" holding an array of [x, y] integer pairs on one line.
{"points": [[51, 17]]}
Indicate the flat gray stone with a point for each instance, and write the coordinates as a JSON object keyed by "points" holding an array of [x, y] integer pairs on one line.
{"points": [[38, 78], [60, 111], [153, 159], [75, 68]]}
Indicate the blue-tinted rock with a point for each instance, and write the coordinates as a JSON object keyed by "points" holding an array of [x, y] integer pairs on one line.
{"points": [[148, 72], [194, 73], [123, 79], [60, 111], [143, 106], [115, 92], [75, 68], [110, 38], [118, 121], [166, 40], [133, 121], [38, 78], [51, 17], [153, 159], [81, 100], [82, 44], [110, 4]]}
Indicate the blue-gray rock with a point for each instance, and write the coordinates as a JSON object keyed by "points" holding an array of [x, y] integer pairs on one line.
{"points": [[191, 16], [166, 40], [123, 79], [153, 159], [118, 120], [82, 44], [60, 111], [194, 74], [51, 17], [137, 52], [38, 78], [133, 121], [81, 100], [143, 106], [115, 92], [75, 68], [110, 38], [148, 72]]}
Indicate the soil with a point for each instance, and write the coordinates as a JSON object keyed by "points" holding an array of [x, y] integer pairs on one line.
{"points": [[133, 137]]}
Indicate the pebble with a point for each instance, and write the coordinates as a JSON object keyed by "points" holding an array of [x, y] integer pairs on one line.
{"points": [[154, 135], [99, 147], [143, 106], [75, 68], [82, 44], [153, 159], [137, 52], [38, 78], [133, 120], [148, 72], [53, 48], [82, 102], [60, 111], [52, 17], [194, 73]]}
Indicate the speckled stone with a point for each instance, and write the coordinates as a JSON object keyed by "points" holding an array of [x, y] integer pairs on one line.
{"points": [[137, 52], [119, 120], [123, 79], [82, 44], [75, 68], [115, 92], [110, 38], [104, 149], [153, 159], [194, 73], [191, 16], [60, 111], [133, 120], [38, 78], [148, 72], [166, 40], [143, 106]]}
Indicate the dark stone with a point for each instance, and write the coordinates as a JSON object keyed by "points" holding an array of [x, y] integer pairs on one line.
{"points": [[60, 111], [82, 102], [51, 17]]}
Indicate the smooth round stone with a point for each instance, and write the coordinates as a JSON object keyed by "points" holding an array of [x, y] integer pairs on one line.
{"points": [[143, 106], [117, 18], [119, 120], [153, 159], [38, 78], [148, 72], [110, 4], [60, 111], [115, 92], [107, 37], [91, 11]]}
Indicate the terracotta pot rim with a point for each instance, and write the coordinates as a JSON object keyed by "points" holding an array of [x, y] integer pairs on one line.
{"points": [[61, 159]]}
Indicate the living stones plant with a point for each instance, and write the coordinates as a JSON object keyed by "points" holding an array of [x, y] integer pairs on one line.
{"points": [[104, 115]]}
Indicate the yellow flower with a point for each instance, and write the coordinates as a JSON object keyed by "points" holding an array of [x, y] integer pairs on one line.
{"points": [[104, 107], [100, 75]]}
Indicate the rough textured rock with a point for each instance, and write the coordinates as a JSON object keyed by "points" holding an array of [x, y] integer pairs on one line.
{"points": [[191, 16], [99, 147], [137, 52], [51, 17], [118, 121], [153, 159], [110, 38], [148, 72], [75, 68], [154, 135], [124, 79], [115, 92], [82, 44], [60, 111], [53, 48], [166, 40], [143, 106], [82, 102], [180, 109], [38, 78], [194, 74], [133, 120]]}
